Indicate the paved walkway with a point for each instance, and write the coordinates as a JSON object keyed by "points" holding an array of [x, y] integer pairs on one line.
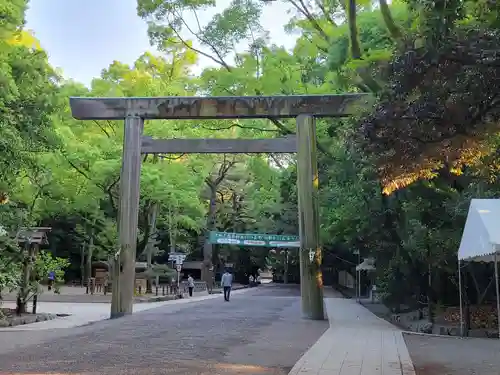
{"points": [[357, 343], [85, 313], [259, 332]]}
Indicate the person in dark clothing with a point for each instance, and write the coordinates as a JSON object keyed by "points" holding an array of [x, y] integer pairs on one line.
{"points": [[190, 285], [226, 282]]}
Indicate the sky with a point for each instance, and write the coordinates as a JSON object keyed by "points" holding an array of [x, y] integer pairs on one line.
{"points": [[84, 37]]}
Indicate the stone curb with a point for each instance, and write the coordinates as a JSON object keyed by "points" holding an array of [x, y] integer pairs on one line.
{"points": [[156, 299], [26, 320], [436, 335]]}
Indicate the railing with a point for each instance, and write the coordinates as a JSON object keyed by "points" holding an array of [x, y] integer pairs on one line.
{"points": [[94, 285], [171, 289], [199, 286]]}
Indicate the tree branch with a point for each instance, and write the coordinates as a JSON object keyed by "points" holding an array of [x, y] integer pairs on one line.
{"points": [[76, 168], [389, 21], [325, 13], [302, 8], [109, 191], [102, 128], [219, 60], [237, 125]]}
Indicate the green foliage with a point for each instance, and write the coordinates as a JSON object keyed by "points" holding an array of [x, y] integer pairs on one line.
{"points": [[9, 263], [12, 16], [162, 270], [27, 102], [429, 91], [45, 263]]}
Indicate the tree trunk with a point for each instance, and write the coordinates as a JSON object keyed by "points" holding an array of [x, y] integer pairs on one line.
{"points": [[90, 253], [206, 273], [35, 300], [171, 233], [82, 266], [285, 274], [356, 51], [151, 243], [212, 209], [20, 306], [37, 279], [389, 21], [430, 296], [24, 289]]}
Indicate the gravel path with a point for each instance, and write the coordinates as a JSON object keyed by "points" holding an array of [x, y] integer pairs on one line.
{"points": [[433, 355], [258, 332]]}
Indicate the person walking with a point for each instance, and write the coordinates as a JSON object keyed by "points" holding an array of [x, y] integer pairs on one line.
{"points": [[226, 283], [250, 280], [52, 279], [190, 285]]}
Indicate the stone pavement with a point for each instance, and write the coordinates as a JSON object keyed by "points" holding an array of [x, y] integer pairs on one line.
{"points": [[81, 314], [357, 343], [260, 331]]}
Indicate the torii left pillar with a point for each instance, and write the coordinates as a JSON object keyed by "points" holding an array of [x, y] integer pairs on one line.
{"points": [[128, 217]]}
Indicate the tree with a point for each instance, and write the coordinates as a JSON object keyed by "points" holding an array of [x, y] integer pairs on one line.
{"points": [[436, 120]]}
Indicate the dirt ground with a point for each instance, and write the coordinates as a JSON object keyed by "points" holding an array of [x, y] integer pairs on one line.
{"points": [[432, 355]]}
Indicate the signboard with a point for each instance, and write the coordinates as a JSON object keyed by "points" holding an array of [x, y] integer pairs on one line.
{"points": [[246, 239], [178, 258], [178, 267]]}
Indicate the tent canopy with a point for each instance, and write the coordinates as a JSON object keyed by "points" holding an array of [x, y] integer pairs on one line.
{"points": [[481, 235]]}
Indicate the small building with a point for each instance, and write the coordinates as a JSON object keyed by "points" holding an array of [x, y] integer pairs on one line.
{"points": [[34, 236]]}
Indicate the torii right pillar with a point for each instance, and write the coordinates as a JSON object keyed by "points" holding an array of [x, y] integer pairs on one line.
{"points": [[311, 278]]}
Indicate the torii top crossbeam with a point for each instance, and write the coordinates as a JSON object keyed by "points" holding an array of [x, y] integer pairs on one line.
{"points": [[215, 107]]}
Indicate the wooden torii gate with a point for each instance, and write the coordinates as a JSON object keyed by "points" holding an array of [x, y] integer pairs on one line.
{"points": [[305, 108]]}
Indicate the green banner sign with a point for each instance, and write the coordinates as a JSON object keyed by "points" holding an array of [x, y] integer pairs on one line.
{"points": [[247, 239]]}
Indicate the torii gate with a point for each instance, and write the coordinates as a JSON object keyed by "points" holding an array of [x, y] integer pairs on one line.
{"points": [[305, 108]]}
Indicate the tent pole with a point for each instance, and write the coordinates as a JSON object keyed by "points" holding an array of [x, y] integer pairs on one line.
{"points": [[498, 294], [460, 299]]}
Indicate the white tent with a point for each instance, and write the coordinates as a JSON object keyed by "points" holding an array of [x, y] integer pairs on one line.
{"points": [[481, 241]]}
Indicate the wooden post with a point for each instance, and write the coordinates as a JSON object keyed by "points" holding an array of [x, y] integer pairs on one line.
{"points": [[307, 191], [128, 216]]}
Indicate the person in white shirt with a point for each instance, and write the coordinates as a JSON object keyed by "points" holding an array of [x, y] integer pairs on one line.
{"points": [[190, 285], [226, 282]]}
